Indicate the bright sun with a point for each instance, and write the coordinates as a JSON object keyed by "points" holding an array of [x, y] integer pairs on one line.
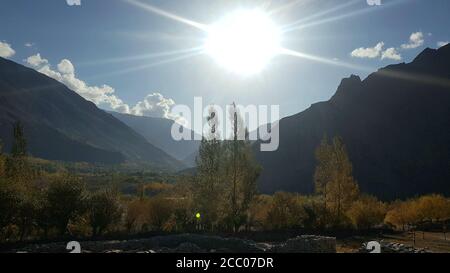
{"points": [[243, 42]]}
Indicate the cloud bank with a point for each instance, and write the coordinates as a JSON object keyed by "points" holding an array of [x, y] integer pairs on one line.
{"points": [[6, 50], [416, 39], [153, 105]]}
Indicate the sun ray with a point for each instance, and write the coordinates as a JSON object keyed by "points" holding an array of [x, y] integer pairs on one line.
{"points": [[146, 66], [319, 14], [425, 79], [293, 53], [167, 14], [287, 6], [140, 57], [366, 10]]}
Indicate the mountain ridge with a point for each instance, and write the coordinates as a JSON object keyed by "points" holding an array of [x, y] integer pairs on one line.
{"points": [[158, 132], [395, 124], [52, 113]]}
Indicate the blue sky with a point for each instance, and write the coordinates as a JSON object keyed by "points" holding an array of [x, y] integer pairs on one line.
{"points": [[97, 39]]}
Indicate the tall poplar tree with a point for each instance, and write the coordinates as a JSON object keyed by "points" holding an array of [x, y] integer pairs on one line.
{"points": [[334, 179]]}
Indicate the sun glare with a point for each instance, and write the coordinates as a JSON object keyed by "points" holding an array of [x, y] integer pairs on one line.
{"points": [[243, 42]]}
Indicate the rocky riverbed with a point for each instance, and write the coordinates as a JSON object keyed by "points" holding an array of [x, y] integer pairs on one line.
{"points": [[391, 247], [193, 243]]}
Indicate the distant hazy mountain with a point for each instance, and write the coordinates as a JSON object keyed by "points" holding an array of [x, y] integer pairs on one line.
{"points": [[61, 125], [395, 123], [158, 132]]}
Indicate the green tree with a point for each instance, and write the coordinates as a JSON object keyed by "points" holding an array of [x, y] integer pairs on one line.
{"points": [[9, 206], [26, 218], [17, 167], [104, 210], [208, 184], [242, 172], [65, 200], [334, 179], [225, 183], [19, 147]]}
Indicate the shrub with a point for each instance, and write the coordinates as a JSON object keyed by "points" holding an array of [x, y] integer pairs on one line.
{"points": [[65, 199], [104, 210], [135, 216], [367, 212], [9, 206], [159, 211], [286, 211]]}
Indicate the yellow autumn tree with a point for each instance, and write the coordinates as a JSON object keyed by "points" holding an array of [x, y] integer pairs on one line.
{"points": [[402, 213], [367, 212], [433, 207], [334, 179]]}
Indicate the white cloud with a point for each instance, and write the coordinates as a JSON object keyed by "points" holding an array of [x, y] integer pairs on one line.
{"points": [[153, 105], [73, 2], [65, 73], [66, 67], [36, 60], [392, 54], [369, 52], [442, 43], [415, 40], [6, 50], [29, 44]]}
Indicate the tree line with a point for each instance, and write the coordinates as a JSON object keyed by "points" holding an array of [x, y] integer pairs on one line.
{"points": [[220, 197]]}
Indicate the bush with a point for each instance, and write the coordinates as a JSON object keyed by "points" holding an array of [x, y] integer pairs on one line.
{"points": [[135, 216], [286, 211], [401, 214], [9, 206], [258, 212], [104, 210], [159, 211], [367, 212], [26, 218], [65, 200]]}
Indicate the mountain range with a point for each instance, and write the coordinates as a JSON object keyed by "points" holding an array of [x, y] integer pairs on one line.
{"points": [[158, 132], [61, 125], [395, 125]]}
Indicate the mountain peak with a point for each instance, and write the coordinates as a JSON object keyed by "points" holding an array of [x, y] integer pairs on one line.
{"points": [[425, 56], [394, 125], [353, 79], [348, 87]]}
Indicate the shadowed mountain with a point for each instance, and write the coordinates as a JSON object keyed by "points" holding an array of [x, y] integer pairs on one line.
{"points": [[61, 125], [158, 132], [395, 124]]}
